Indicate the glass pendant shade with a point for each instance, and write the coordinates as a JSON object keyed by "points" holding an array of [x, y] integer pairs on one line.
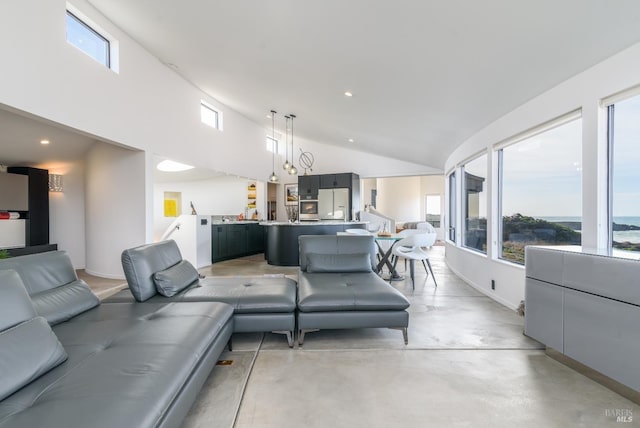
{"points": [[292, 169], [273, 178], [286, 164]]}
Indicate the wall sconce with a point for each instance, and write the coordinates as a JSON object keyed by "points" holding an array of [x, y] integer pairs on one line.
{"points": [[55, 183]]}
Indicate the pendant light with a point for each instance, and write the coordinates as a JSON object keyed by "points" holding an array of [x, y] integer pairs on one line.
{"points": [[286, 166], [292, 170], [273, 178]]}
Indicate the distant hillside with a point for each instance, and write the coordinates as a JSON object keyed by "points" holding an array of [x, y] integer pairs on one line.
{"points": [[524, 228], [519, 230]]}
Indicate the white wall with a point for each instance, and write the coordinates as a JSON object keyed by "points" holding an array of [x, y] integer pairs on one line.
{"points": [[146, 106], [224, 195], [366, 186], [66, 212], [399, 198], [433, 185], [584, 92], [115, 195]]}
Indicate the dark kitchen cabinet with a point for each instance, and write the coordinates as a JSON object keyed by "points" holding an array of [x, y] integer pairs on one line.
{"points": [[336, 181], [308, 186], [229, 241], [255, 239]]}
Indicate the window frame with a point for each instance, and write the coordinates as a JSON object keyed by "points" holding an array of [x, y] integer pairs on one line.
{"points": [[217, 112], [274, 144], [609, 104], [452, 213], [464, 202], [498, 148], [93, 31], [112, 44]]}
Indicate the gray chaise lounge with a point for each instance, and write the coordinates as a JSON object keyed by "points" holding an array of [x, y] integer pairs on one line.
{"points": [[260, 304], [99, 365], [338, 288]]}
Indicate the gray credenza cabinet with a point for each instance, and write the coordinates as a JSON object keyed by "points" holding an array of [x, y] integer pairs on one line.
{"points": [[587, 307]]}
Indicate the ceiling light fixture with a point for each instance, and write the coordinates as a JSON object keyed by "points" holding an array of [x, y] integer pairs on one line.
{"points": [[44, 142], [293, 170], [273, 178], [351, 140], [172, 166], [286, 166], [348, 94]]}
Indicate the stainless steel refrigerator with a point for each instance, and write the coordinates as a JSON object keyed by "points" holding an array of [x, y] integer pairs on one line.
{"points": [[333, 204]]}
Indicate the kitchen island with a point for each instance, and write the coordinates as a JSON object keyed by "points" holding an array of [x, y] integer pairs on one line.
{"points": [[282, 237]]}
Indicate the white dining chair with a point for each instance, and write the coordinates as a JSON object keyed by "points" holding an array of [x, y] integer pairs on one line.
{"points": [[358, 231], [411, 248]]}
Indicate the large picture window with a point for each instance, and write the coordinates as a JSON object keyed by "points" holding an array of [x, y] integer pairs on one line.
{"points": [[475, 204], [541, 190], [624, 137]]}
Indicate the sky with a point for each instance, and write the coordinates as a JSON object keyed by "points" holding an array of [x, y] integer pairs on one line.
{"points": [[542, 175], [626, 158]]}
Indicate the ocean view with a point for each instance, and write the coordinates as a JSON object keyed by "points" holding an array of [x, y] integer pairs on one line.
{"points": [[632, 236]]}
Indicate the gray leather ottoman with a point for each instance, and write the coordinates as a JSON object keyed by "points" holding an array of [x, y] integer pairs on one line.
{"points": [[260, 304], [337, 287]]}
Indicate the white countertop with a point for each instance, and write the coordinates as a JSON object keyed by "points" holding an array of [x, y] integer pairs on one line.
{"points": [[234, 221], [615, 253], [313, 223]]}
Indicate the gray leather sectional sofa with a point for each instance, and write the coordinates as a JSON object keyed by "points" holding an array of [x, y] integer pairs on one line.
{"points": [[338, 288], [260, 304], [68, 361]]}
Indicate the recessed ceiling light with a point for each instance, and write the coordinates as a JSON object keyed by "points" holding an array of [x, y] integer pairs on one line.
{"points": [[348, 94], [268, 116], [171, 166], [44, 142], [351, 140]]}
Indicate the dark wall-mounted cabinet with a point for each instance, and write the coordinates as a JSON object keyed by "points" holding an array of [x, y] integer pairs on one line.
{"points": [[37, 223], [308, 186], [229, 241], [336, 181]]}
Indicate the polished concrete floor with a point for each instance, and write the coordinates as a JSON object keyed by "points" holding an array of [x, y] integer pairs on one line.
{"points": [[467, 364], [102, 287]]}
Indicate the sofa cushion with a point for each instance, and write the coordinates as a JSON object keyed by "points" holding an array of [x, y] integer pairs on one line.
{"points": [[62, 303], [141, 263], [27, 351], [337, 245], [15, 305], [42, 271], [357, 262], [28, 347], [173, 280], [328, 292], [247, 295]]}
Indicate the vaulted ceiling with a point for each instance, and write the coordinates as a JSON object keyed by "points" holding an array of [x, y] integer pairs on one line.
{"points": [[425, 75]]}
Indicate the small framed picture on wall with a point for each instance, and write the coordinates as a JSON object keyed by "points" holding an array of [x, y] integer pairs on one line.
{"points": [[291, 194]]}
